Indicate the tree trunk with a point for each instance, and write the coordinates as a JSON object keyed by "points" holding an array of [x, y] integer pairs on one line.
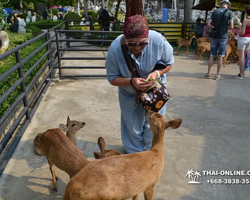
{"points": [[178, 10], [117, 9], [21, 4], [85, 6], [188, 11], [134, 7]]}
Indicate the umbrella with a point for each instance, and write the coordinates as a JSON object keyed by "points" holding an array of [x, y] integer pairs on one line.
{"points": [[56, 7], [63, 10], [7, 10]]}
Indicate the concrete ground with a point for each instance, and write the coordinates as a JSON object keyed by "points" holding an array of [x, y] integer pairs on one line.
{"points": [[214, 134]]}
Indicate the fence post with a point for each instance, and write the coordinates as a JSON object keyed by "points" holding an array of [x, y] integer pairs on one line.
{"points": [[23, 88], [183, 31], [67, 35], [58, 54], [48, 38]]}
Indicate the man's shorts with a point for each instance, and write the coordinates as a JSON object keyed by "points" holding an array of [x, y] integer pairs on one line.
{"points": [[243, 43], [218, 44]]}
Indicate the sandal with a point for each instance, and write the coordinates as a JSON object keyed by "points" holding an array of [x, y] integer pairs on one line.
{"points": [[238, 76], [207, 76], [218, 78]]}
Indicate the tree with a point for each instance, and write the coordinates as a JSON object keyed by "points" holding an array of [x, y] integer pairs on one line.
{"points": [[2, 15], [188, 10], [117, 9], [178, 10]]}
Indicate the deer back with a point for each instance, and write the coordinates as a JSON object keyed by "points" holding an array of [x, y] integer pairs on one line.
{"points": [[62, 152]]}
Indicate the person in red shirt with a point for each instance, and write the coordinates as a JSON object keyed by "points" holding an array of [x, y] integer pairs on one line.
{"points": [[243, 43]]}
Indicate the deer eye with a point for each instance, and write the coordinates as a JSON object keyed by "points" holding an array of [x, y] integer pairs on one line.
{"points": [[73, 125]]}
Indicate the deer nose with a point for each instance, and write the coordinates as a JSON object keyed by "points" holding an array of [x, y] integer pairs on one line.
{"points": [[83, 123]]}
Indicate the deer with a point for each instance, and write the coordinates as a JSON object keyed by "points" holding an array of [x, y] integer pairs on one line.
{"points": [[4, 40], [70, 128], [203, 39], [104, 151], [232, 50], [61, 150], [127, 175], [184, 42], [201, 48]]}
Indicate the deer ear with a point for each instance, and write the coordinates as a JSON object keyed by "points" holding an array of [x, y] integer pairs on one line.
{"points": [[68, 120], [63, 127], [98, 155], [174, 124], [101, 144]]}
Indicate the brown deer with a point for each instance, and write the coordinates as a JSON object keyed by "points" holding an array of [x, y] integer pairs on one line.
{"points": [[70, 128], [4, 40], [232, 50], [203, 39], [124, 176], [184, 42], [60, 149], [104, 151], [201, 48]]}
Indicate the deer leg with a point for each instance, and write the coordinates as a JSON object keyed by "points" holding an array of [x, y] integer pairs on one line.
{"points": [[149, 193], [177, 50], [135, 197], [225, 60], [187, 50], [52, 170], [198, 54]]}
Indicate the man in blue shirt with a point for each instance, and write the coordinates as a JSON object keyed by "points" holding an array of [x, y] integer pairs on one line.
{"points": [[198, 28]]}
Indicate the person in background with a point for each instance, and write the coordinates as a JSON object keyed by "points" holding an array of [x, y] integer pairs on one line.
{"points": [[14, 23], [46, 14], [243, 43], [146, 47], [220, 42], [104, 18], [198, 28], [33, 18], [21, 24]]}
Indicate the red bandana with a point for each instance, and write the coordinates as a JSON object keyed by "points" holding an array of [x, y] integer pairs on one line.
{"points": [[136, 27]]}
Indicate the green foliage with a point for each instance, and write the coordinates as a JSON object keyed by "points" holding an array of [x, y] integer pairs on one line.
{"points": [[72, 16], [110, 4], [10, 61], [42, 24], [93, 14], [2, 14], [33, 29], [55, 11]]}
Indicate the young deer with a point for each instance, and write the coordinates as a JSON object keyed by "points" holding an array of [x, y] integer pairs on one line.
{"points": [[60, 150], [184, 42], [201, 48], [104, 152], [230, 50], [124, 176], [70, 128]]}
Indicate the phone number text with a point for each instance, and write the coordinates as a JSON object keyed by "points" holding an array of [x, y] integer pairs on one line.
{"points": [[229, 181]]}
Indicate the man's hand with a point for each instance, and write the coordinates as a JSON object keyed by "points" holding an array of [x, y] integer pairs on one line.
{"points": [[141, 84], [153, 75]]}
